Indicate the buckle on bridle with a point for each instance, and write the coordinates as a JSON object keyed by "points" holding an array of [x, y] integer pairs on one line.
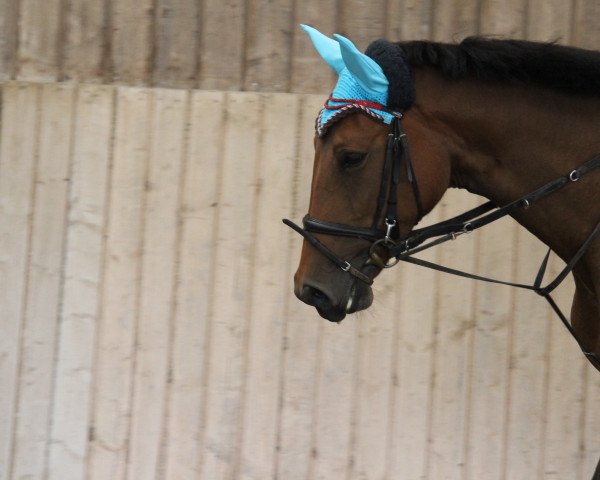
{"points": [[388, 232], [466, 228]]}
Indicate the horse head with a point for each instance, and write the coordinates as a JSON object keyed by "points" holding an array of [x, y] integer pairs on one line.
{"points": [[366, 195]]}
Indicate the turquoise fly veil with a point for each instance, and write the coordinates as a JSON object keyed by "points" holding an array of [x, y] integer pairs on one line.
{"points": [[362, 84]]}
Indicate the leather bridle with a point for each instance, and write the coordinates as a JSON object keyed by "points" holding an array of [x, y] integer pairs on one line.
{"points": [[421, 239], [386, 210]]}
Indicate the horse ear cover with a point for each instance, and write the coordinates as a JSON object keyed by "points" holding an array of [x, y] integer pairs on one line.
{"points": [[328, 48], [401, 89], [363, 68]]}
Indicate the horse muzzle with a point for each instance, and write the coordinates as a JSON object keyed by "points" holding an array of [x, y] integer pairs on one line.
{"points": [[331, 304]]}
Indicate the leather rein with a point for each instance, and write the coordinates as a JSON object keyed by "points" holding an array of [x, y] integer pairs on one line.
{"points": [[421, 239]]}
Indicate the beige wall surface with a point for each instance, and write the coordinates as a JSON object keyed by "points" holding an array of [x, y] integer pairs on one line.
{"points": [[149, 330], [148, 326]]}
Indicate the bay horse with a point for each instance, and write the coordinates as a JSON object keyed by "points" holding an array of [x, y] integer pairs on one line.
{"points": [[513, 121]]}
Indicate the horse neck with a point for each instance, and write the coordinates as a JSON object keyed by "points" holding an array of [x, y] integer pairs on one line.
{"points": [[505, 141]]}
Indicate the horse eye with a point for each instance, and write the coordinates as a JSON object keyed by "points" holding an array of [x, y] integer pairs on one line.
{"points": [[350, 160]]}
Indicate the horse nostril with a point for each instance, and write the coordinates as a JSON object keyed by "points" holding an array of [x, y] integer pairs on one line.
{"points": [[314, 297], [318, 294], [317, 298]]}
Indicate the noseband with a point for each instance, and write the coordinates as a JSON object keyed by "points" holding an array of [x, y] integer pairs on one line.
{"points": [[403, 249]]}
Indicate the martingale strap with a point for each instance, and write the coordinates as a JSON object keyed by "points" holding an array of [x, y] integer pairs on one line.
{"points": [[479, 217], [536, 286]]}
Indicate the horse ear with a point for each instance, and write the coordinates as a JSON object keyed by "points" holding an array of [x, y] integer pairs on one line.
{"points": [[364, 69], [327, 47]]}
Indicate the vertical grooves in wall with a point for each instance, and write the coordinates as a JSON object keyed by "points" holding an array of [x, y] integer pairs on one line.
{"points": [[432, 376], [244, 48], [509, 357], [386, 18], [202, 441], [478, 17], [10, 56], [314, 453], [16, 70], [582, 421], [102, 271], [525, 20], [432, 29], [354, 401], [26, 269], [198, 44], [154, 44], [286, 303], [61, 37], [106, 60], [470, 360], [165, 431], [238, 461], [546, 397], [575, 15], [395, 380], [294, 21], [63, 269], [138, 286]]}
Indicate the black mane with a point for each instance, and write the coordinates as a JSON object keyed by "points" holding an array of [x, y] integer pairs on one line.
{"points": [[568, 69]]}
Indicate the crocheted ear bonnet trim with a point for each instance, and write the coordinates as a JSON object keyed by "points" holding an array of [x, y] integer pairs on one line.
{"points": [[376, 83]]}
